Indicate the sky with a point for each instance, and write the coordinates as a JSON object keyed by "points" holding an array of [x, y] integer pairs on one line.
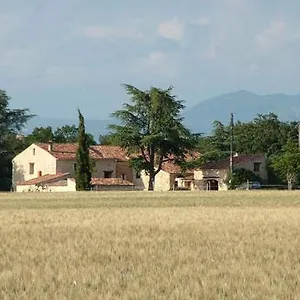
{"points": [[60, 55]]}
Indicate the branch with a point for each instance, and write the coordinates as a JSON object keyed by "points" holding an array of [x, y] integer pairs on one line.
{"points": [[144, 155]]}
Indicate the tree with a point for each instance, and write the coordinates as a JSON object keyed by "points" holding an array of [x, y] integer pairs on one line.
{"points": [[39, 135], [240, 176], [11, 122], [108, 139], [287, 164], [151, 125], [64, 134], [83, 164]]}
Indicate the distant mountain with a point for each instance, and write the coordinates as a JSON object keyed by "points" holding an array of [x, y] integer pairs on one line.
{"points": [[245, 106], [199, 118]]}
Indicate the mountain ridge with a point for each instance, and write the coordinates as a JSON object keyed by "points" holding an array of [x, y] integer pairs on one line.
{"points": [[243, 104]]}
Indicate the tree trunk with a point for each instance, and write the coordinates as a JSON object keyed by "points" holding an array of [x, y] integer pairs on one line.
{"points": [[151, 181], [291, 180]]}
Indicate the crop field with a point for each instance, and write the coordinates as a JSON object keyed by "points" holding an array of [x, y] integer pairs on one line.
{"points": [[141, 245]]}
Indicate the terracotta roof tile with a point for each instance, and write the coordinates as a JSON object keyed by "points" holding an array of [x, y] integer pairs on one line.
{"points": [[225, 163], [111, 182], [114, 152], [172, 168], [44, 179], [97, 152]]}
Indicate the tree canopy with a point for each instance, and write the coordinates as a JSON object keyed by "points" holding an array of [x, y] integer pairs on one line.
{"points": [[152, 128], [63, 134], [287, 163], [11, 122]]}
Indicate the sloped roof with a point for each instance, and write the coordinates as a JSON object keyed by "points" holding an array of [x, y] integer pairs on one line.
{"points": [[225, 163], [97, 152], [44, 179], [172, 168], [111, 182]]}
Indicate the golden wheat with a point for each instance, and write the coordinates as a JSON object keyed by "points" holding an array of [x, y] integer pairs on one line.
{"points": [[139, 245]]}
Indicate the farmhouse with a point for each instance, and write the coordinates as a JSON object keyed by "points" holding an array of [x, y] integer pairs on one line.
{"points": [[213, 175], [51, 167]]}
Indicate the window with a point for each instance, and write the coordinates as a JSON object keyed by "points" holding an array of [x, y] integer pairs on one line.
{"points": [[74, 167], [33, 151], [108, 174], [124, 176], [31, 168], [256, 166], [138, 175]]}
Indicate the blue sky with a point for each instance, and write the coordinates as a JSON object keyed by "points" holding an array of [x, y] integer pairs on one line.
{"points": [[60, 55]]}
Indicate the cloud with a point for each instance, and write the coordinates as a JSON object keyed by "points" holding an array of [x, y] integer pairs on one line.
{"points": [[272, 36], [202, 22], [103, 32], [210, 53], [20, 62], [63, 75], [253, 67], [171, 29], [157, 63]]}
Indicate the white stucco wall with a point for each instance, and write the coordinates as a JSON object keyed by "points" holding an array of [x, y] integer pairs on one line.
{"points": [[43, 161], [67, 166], [163, 181]]}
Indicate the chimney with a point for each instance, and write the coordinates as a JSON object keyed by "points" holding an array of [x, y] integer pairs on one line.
{"points": [[39, 173], [50, 146]]}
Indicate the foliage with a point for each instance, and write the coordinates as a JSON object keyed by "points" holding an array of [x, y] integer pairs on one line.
{"points": [[151, 125], [39, 135], [240, 176], [64, 134], [264, 134], [287, 164], [83, 164], [11, 122], [109, 139]]}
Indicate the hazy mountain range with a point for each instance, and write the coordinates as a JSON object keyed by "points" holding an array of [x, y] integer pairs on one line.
{"points": [[199, 118]]}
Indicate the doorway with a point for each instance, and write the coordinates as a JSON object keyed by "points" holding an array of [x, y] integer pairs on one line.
{"points": [[212, 185]]}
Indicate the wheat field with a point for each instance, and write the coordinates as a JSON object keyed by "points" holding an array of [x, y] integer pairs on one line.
{"points": [[140, 245]]}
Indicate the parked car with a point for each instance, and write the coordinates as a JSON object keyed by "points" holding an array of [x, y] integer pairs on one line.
{"points": [[252, 185]]}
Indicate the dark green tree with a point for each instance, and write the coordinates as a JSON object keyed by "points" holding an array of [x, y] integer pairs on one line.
{"points": [[83, 164], [39, 135], [109, 139], [11, 122], [151, 125], [287, 164], [69, 134], [240, 176], [66, 134]]}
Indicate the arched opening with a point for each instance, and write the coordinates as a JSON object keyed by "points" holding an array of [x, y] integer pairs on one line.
{"points": [[212, 185]]}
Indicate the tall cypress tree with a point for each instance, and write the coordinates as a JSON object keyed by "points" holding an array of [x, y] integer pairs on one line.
{"points": [[83, 166]]}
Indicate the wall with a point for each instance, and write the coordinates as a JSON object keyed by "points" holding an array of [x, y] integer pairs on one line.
{"points": [[201, 177], [43, 161], [249, 165], [123, 167], [67, 166], [163, 181]]}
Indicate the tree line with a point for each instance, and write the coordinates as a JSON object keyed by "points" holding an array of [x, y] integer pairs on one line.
{"points": [[152, 129]]}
